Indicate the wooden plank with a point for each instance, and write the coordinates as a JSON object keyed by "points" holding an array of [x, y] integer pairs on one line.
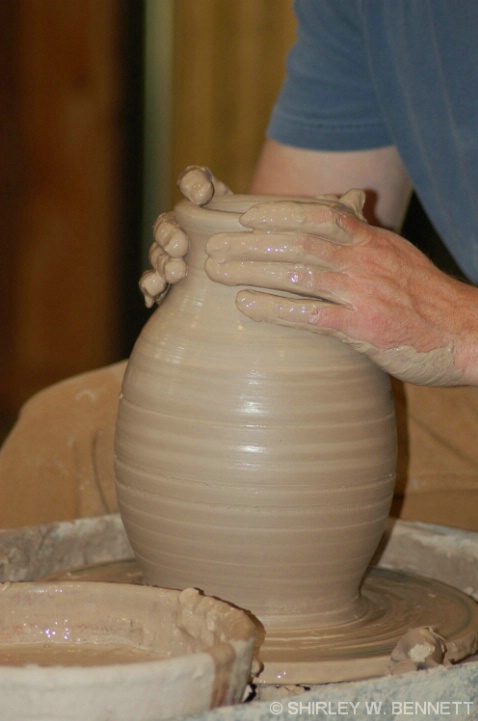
{"points": [[63, 73], [229, 61]]}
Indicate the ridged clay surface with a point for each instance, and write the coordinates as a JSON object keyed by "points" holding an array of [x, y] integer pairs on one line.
{"points": [[253, 462]]}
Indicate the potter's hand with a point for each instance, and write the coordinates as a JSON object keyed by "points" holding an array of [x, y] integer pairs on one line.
{"points": [[171, 243], [166, 256], [364, 285]]}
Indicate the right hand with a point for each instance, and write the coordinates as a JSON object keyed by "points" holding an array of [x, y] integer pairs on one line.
{"points": [[171, 244], [368, 287]]}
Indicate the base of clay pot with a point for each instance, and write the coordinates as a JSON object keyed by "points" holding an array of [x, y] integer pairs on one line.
{"points": [[395, 603]]}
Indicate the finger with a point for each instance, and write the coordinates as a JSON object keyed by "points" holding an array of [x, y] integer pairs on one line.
{"points": [[355, 200], [175, 270], [329, 221], [151, 285], [170, 236], [220, 188], [158, 258], [290, 312], [195, 183], [315, 316], [435, 367], [198, 184], [171, 269], [300, 279], [275, 247]]}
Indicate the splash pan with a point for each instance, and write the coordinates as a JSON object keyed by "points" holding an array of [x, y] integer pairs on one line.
{"points": [[97, 651]]}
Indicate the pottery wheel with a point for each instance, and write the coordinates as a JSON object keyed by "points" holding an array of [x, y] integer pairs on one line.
{"points": [[395, 603]]}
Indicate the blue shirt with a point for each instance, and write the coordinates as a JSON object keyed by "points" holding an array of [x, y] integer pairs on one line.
{"points": [[370, 73]]}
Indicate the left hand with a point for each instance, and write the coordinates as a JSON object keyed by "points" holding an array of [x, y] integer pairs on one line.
{"points": [[171, 244], [166, 256], [366, 286]]}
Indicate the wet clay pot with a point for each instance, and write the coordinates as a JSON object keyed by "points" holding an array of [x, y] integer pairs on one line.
{"points": [[253, 462]]}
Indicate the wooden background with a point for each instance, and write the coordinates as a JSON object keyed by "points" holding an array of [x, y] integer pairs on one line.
{"points": [[70, 158], [229, 63]]}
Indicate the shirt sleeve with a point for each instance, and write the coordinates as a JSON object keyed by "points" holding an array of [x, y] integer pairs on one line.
{"points": [[328, 99]]}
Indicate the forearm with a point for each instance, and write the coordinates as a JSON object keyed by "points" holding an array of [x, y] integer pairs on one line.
{"points": [[284, 170]]}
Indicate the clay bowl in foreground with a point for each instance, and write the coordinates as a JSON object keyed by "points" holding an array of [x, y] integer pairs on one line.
{"points": [[97, 651]]}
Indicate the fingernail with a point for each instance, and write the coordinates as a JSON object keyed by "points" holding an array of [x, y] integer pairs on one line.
{"points": [[220, 272], [246, 303], [218, 244], [164, 229], [178, 244]]}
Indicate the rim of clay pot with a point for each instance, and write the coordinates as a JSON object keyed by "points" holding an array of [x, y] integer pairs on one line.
{"points": [[232, 203], [225, 210]]}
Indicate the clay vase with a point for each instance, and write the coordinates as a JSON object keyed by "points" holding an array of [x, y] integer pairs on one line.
{"points": [[253, 462]]}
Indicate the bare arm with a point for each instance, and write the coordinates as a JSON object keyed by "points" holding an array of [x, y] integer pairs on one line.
{"points": [[284, 170]]}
